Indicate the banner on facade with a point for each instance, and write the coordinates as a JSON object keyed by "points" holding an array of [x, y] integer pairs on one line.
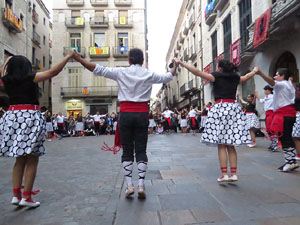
{"points": [[207, 70], [261, 28], [235, 52], [79, 21], [218, 58], [85, 90], [122, 20]]}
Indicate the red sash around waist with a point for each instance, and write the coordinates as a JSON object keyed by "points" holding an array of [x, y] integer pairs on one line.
{"points": [[96, 122], [278, 119], [134, 107], [225, 101], [269, 117], [169, 121], [23, 107], [193, 121], [250, 112]]}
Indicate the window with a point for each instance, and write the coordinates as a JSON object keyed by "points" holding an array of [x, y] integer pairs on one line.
{"points": [[44, 21], [75, 41], [33, 56], [74, 15], [99, 15], [44, 40], [123, 17], [74, 77], [8, 4], [214, 49], [44, 61], [123, 42], [227, 37], [99, 40], [245, 21]]}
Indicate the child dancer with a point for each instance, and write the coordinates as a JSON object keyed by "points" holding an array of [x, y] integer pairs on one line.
{"points": [[226, 121], [192, 118], [135, 85], [183, 121], [252, 120], [23, 128], [284, 115], [152, 123], [268, 107]]}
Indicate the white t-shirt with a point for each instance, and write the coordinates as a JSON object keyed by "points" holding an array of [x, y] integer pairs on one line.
{"points": [[96, 117], [284, 94], [192, 113], [60, 119], [167, 113], [268, 102]]}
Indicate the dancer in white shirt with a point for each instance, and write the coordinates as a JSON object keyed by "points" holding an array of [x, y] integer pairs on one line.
{"points": [[96, 119], [135, 86], [60, 125], [192, 118], [268, 107], [167, 116]]}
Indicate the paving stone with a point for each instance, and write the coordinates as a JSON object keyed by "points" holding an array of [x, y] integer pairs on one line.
{"points": [[178, 217], [176, 172], [211, 215], [141, 218]]}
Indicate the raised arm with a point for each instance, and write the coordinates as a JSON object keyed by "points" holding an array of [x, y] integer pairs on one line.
{"points": [[90, 66], [195, 71], [249, 75], [55, 70], [241, 99], [267, 78]]}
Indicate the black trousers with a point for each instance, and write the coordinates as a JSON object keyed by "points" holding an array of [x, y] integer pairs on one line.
{"points": [[97, 128], [287, 139], [133, 127]]}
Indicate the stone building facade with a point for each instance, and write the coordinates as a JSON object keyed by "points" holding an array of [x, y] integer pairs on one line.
{"points": [[103, 31], [25, 30]]}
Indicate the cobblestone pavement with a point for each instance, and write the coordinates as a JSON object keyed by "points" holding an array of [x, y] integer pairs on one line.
{"points": [[82, 185]]}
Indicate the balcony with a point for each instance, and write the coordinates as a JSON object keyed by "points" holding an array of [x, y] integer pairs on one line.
{"points": [[121, 52], [35, 16], [210, 13], [91, 91], [36, 38], [181, 37], [182, 90], [50, 59], [193, 53], [102, 52], [123, 2], [75, 2], [123, 22], [99, 22], [50, 43], [99, 2], [185, 28], [220, 4], [190, 4], [192, 21], [12, 22], [186, 54], [176, 52], [73, 22], [81, 51], [36, 65]]}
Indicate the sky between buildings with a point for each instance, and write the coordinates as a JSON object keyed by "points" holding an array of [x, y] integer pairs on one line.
{"points": [[162, 18]]}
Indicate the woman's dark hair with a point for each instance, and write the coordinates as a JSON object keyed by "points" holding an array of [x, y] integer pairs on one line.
{"points": [[136, 56], [268, 88], [18, 69], [251, 95], [285, 72], [227, 66]]}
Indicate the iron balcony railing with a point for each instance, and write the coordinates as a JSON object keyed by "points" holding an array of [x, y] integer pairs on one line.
{"points": [[80, 50], [99, 2], [11, 21], [75, 22], [99, 22], [123, 2], [99, 52], [89, 91], [36, 38], [121, 51], [123, 22], [75, 2], [35, 16]]}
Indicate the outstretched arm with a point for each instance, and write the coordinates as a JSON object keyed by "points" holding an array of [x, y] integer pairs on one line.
{"points": [[55, 70], [241, 99], [249, 75], [195, 71], [90, 66], [267, 78]]}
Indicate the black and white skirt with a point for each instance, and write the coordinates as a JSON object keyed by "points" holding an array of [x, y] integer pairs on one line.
{"points": [[226, 124], [252, 121], [296, 127], [22, 132], [152, 123]]}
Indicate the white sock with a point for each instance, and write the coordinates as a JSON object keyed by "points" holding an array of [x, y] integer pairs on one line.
{"points": [[142, 168], [127, 167]]}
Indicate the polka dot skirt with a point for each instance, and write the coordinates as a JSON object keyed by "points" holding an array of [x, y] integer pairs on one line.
{"points": [[252, 121], [226, 124], [296, 127], [22, 132]]}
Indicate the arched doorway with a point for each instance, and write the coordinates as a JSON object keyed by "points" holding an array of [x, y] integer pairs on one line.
{"points": [[288, 60]]}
